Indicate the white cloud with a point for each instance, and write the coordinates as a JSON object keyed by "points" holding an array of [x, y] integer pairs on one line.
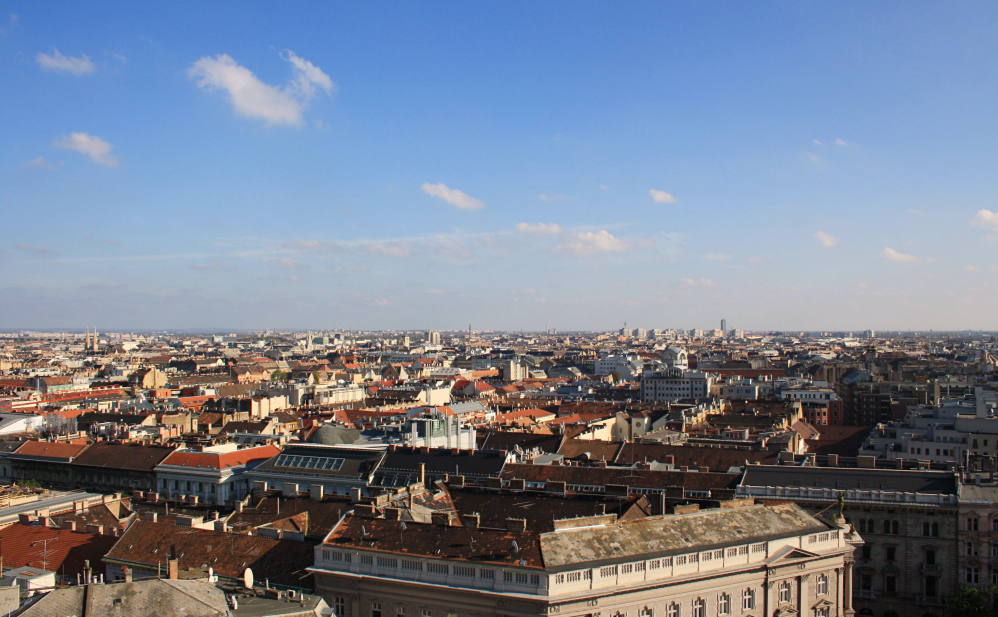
{"points": [[456, 198], [986, 219], [40, 162], [389, 249], [971, 268], [64, 64], [814, 158], [827, 240], [604, 187], [757, 260], [891, 255], [588, 243], [290, 264], [539, 228], [817, 142], [551, 197], [661, 197], [253, 98], [842, 142], [700, 283], [96, 148], [717, 256]]}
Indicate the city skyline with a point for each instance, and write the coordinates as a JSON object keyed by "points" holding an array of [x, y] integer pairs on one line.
{"points": [[519, 166]]}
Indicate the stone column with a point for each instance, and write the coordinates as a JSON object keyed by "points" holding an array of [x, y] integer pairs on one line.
{"points": [[803, 598], [838, 592], [847, 590]]}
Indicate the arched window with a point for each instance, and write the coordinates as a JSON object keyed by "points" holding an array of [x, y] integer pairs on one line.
{"points": [[862, 526], [869, 526], [647, 612], [748, 599], [724, 604], [935, 530], [887, 527], [925, 529], [784, 592], [674, 610], [699, 608], [895, 527], [822, 587]]}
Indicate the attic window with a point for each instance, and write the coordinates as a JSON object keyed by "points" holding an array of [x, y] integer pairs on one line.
{"points": [[118, 602]]}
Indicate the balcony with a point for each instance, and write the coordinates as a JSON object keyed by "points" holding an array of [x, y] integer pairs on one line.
{"points": [[936, 600], [865, 593], [930, 568]]}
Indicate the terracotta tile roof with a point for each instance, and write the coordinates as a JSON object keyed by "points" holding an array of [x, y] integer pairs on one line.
{"points": [[215, 460], [63, 553], [45, 449], [148, 544], [323, 514]]}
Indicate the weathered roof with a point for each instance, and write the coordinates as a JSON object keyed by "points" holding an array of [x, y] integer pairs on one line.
{"points": [[132, 457], [149, 597], [675, 534], [45, 450], [941, 482], [65, 551]]}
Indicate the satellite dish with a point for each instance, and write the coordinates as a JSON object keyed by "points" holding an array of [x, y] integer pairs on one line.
{"points": [[516, 547], [248, 578], [402, 526]]}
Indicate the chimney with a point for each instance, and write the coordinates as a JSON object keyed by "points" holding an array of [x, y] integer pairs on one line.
{"points": [[980, 408], [441, 518], [833, 460], [471, 520], [355, 495], [422, 472], [173, 568], [95, 529], [316, 491], [152, 517], [516, 524], [69, 525], [128, 573]]}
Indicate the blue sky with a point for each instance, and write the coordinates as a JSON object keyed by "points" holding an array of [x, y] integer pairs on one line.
{"points": [[509, 165]]}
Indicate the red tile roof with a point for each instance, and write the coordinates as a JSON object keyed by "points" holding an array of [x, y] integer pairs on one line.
{"points": [[214, 460], [51, 450], [63, 553]]}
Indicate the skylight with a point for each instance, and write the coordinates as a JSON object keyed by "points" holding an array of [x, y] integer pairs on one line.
{"points": [[309, 462]]}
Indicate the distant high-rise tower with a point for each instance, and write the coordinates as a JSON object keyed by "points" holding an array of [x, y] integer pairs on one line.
{"points": [[724, 326]]}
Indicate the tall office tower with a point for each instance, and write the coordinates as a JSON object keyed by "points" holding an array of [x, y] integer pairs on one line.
{"points": [[724, 326]]}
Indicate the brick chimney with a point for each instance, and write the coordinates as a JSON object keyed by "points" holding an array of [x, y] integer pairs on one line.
{"points": [[173, 568], [69, 525]]}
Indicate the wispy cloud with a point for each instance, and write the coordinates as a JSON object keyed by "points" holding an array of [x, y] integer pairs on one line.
{"points": [[12, 21], [59, 63], [842, 142], [539, 228], [986, 219], [456, 198], [814, 158], [252, 98], [661, 197], [39, 162], [552, 197], [27, 248], [211, 266], [604, 187], [891, 255], [588, 244], [390, 249], [827, 240], [972, 269], [756, 260], [817, 142], [289, 264], [697, 283], [96, 148], [717, 256]]}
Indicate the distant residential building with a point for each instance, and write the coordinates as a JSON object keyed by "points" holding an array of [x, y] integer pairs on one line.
{"points": [[214, 475], [673, 384], [627, 367]]}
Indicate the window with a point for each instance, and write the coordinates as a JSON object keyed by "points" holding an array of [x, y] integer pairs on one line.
{"points": [[535, 579], [891, 553], [930, 586], [784, 595], [890, 585], [646, 612], [521, 578], [375, 609], [507, 577], [867, 551], [869, 526], [895, 527], [994, 577], [994, 525], [925, 528], [866, 581], [426, 612], [935, 530], [972, 523], [930, 557], [399, 611], [821, 612], [971, 549], [699, 608], [748, 599], [340, 605], [724, 604], [973, 575], [674, 610], [822, 587]]}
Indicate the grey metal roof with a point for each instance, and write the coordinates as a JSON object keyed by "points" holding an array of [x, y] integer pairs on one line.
{"points": [[939, 482]]}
